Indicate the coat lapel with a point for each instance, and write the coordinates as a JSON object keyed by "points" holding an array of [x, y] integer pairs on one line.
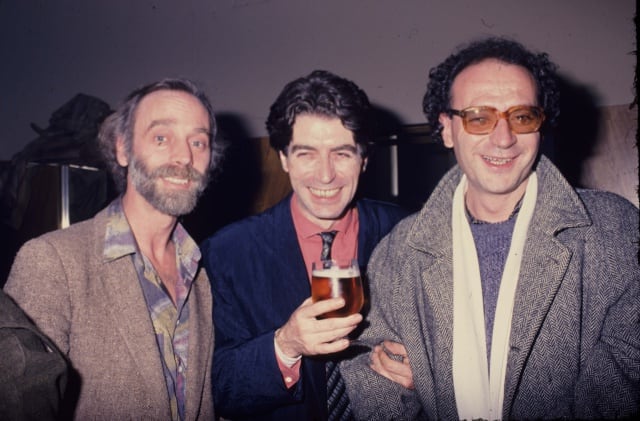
{"points": [[544, 264], [200, 346], [435, 304], [126, 308]]}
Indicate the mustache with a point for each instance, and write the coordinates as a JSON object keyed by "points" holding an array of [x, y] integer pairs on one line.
{"points": [[177, 171]]}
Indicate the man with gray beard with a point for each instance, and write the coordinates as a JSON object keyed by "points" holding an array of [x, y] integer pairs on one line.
{"points": [[123, 294]]}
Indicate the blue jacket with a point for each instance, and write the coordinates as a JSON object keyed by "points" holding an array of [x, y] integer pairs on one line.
{"points": [[258, 279]]}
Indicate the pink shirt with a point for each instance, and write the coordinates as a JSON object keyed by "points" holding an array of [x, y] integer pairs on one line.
{"points": [[345, 246]]}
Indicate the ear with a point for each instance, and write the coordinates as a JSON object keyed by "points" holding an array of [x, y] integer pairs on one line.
{"points": [[283, 161], [446, 122], [121, 152]]}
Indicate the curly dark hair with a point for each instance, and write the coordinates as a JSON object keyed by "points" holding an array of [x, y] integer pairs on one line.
{"points": [[122, 121], [321, 93], [438, 96]]}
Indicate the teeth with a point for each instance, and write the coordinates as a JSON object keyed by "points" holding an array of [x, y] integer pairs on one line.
{"points": [[497, 161], [324, 193], [176, 180]]}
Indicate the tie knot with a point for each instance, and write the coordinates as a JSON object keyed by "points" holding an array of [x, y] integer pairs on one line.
{"points": [[327, 241]]}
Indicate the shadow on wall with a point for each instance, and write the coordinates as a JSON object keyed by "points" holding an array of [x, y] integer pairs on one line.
{"points": [[421, 162], [573, 141], [234, 185]]}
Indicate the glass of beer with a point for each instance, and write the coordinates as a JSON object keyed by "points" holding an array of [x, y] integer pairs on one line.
{"points": [[335, 278]]}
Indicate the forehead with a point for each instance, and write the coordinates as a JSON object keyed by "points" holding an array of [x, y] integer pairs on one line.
{"points": [[493, 82], [171, 107], [314, 128]]}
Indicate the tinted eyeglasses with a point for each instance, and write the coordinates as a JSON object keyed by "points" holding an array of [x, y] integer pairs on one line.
{"points": [[522, 119]]}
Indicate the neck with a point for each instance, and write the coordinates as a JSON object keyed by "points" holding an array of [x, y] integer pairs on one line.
{"points": [[496, 208], [151, 228]]}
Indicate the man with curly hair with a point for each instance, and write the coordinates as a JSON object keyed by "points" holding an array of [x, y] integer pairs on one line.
{"points": [[515, 295], [122, 294]]}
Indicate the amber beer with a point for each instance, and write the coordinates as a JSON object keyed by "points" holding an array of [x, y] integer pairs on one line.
{"points": [[331, 279]]}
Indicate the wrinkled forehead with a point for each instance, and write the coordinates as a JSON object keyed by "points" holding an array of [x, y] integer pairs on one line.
{"points": [[493, 83], [171, 107]]}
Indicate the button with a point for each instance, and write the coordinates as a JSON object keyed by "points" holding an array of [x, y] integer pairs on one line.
{"points": [[288, 379]]}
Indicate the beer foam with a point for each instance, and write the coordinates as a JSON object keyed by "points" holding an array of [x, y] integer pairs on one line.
{"points": [[337, 272]]}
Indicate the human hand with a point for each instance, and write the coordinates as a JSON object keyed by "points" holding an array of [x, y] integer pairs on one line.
{"points": [[304, 334], [390, 360]]}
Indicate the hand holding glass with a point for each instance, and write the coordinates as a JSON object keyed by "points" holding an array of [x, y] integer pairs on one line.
{"points": [[333, 279]]}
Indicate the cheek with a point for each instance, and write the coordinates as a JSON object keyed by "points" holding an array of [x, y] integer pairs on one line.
{"points": [[202, 160]]}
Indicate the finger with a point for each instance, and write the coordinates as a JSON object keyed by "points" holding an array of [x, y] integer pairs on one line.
{"points": [[324, 306], [334, 323], [397, 371], [329, 336], [397, 368], [395, 347], [336, 345], [376, 364]]}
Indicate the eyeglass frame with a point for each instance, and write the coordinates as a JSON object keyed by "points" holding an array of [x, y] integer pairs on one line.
{"points": [[500, 114]]}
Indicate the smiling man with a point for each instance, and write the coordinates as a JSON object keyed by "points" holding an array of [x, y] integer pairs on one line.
{"points": [[271, 350], [515, 295], [122, 294]]}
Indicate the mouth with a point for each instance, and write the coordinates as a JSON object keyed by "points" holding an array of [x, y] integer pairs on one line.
{"points": [[177, 181], [324, 193], [497, 161]]}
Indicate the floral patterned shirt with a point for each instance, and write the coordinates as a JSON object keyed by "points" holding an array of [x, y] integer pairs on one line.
{"points": [[170, 321]]}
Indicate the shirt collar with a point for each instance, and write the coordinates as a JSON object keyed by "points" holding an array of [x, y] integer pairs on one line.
{"points": [[119, 240], [306, 229]]}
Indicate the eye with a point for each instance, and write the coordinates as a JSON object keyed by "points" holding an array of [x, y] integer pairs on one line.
{"points": [[199, 143], [302, 154], [478, 120], [160, 138], [345, 154], [523, 118]]}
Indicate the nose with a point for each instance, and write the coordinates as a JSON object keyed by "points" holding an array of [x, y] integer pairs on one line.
{"points": [[326, 171], [181, 153], [502, 136]]}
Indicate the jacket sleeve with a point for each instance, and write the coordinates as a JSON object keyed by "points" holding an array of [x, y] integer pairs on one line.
{"points": [[246, 377], [372, 396], [608, 385], [38, 283]]}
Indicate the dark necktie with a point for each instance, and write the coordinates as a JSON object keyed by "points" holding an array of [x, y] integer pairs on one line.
{"points": [[327, 241], [337, 399]]}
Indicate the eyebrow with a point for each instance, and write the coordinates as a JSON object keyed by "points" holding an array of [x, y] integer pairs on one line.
{"points": [[171, 122], [350, 148]]}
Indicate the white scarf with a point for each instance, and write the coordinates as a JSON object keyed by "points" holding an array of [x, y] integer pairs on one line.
{"points": [[479, 393]]}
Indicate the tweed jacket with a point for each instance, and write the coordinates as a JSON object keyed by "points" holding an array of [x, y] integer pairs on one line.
{"points": [[94, 310], [575, 334], [258, 279]]}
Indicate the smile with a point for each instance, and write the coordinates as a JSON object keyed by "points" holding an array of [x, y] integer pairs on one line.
{"points": [[497, 161], [173, 180], [323, 193]]}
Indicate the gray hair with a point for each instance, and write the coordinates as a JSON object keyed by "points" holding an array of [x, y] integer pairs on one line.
{"points": [[122, 121]]}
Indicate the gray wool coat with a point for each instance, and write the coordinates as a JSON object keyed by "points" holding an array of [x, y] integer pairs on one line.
{"points": [[575, 334], [95, 312]]}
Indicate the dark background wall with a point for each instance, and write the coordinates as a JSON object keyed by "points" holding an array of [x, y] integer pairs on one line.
{"points": [[244, 51]]}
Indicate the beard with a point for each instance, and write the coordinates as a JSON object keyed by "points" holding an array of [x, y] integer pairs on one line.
{"points": [[170, 202]]}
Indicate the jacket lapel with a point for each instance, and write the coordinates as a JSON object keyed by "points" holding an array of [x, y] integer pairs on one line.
{"points": [[436, 293], [545, 262], [126, 308], [200, 345]]}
